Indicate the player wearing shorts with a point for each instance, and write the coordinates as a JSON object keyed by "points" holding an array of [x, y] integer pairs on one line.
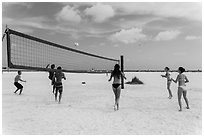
{"points": [[17, 84], [58, 76]]}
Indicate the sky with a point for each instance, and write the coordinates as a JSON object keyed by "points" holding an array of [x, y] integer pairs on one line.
{"points": [[150, 35]]}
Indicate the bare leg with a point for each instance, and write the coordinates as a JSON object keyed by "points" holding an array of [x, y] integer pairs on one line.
{"points": [[21, 91], [185, 98], [16, 90], [60, 95], [115, 94], [53, 89], [179, 98], [56, 94], [168, 88], [118, 97]]}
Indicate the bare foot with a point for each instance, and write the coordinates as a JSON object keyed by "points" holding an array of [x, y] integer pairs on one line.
{"points": [[187, 108], [115, 108]]}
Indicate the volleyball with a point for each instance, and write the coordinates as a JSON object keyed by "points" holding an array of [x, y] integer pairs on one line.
{"points": [[76, 44]]}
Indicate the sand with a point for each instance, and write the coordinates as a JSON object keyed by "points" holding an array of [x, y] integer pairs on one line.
{"points": [[88, 108]]}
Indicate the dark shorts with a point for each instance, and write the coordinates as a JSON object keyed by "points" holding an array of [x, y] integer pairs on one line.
{"points": [[18, 85], [115, 85], [59, 87]]}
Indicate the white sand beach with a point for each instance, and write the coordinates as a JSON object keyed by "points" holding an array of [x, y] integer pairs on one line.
{"points": [[88, 109]]}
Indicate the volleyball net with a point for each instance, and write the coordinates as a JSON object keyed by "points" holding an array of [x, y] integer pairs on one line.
{"points": [[28, 52]]}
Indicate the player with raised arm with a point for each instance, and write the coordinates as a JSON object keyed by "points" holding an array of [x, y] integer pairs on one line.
{"points": [[51, 74]]}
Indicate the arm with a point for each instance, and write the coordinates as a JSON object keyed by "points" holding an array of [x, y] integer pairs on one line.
{"points": [[123, 75], [64, 76], [22, 80], [175, 80], [165, 76], [110, 78], [186, 80], [47, 65]]}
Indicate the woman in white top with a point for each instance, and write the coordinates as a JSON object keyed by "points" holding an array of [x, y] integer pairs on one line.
{"points": [[182, 79], [117, 75]]}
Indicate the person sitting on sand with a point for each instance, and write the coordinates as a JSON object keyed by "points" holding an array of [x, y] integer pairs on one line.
{"points": [[167, 76], [182, 79], [51, 74], [17, 84], [116, 74], [58, 83]]}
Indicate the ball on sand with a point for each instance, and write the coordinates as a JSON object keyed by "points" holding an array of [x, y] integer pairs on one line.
{"points": [[76, 44], [83, 82]]}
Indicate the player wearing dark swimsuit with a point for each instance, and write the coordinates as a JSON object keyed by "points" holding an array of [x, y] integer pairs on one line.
{"points": [[116, 74], [115, 85]]}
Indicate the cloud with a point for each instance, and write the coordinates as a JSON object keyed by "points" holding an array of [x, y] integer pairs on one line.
{"points": [[192, 37], [25, 30], [69, 14], [188, 10], [128, 36], [9, 4], [116, 45], [167, 35], [34, 22], [100, 12]]}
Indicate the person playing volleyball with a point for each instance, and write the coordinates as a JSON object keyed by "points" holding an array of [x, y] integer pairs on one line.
{"points": [[167, 76], [117, 75], [51, 74], [17, 84], [182, 79], [58, 76]]}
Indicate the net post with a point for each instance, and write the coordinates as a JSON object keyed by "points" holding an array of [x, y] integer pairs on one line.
{"points": [[8, 48], [122, 70]]}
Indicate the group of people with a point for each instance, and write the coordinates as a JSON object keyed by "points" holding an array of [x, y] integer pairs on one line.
{"points": [[181, 79], [57, 75]]}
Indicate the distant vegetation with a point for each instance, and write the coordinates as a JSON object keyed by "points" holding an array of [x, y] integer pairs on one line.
{"points": [[101, 71], [135, 80], [198, 70]]}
